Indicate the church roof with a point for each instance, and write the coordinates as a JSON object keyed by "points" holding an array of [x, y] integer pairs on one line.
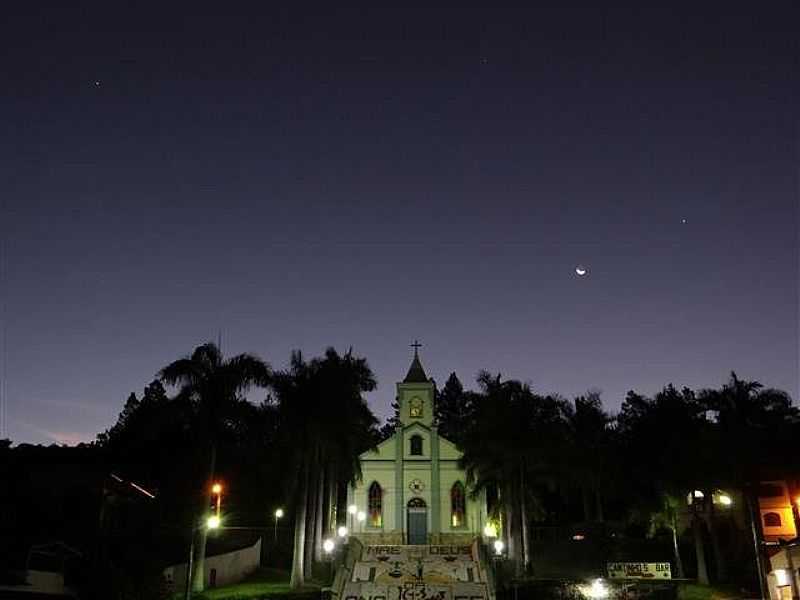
{"points": [[416, 374]]}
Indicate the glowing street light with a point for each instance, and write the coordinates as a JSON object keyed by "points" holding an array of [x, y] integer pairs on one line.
{"points": [[212, 522], [490, 530], [352, 510], [216, 489], [361, 517], [725, 500], [278, 515], [342, 531], [328, 546], [597, 591], [498, 547]]}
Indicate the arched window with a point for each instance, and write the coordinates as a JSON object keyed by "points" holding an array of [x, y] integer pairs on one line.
{"points": [[772, 519], [416, 445], [458, 507], [375, 505]]}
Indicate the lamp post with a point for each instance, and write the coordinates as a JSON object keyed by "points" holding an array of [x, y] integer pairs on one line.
{"points": [[361, 517], [212, 522], [498, 546], [352, 510], [278, 515], [216, 489], [328, 546]]}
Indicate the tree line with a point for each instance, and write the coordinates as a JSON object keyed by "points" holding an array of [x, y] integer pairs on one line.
{"points": [[643, 464], [291, 437]]}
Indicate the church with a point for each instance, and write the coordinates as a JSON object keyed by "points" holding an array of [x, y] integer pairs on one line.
{"points": [[412, 490]]}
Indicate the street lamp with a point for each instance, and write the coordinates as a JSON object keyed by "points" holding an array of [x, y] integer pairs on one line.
{"points": [[596, 591], [498, 547], [213, 522], [342, 531], [490, 530], [329, 546], [278, 515], [361, 516], [352, 510], [216, 489]]}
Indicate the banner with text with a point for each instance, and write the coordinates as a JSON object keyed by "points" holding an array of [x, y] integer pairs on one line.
{"points": [[635, 570]]}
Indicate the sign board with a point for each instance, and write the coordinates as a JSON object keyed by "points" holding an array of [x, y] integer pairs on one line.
{"points": [[634, 570]]}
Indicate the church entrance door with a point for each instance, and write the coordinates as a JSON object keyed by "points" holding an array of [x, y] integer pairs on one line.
{"points": [[417, 522]]}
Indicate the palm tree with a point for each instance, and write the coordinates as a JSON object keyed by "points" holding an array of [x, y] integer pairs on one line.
{"points": [[668, 435], [328, 424], [213, 386], [752, 429], [588, 458], [667, 518], [512, 442]]}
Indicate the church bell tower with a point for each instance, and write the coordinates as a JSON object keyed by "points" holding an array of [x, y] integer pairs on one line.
{"points": [[415, 394]]}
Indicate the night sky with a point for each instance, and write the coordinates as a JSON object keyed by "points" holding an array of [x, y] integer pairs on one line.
{"points": [[312, 176]]}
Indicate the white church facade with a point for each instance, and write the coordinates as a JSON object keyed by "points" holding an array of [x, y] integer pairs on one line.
{"points": [[412, 490]]}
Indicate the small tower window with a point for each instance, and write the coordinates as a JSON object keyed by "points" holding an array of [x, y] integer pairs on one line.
{"points": [[375, 505], [772, 519], [457, 505], [416, 445]]}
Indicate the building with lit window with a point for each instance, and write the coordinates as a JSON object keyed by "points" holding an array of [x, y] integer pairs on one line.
{"points": [[412, 490]]}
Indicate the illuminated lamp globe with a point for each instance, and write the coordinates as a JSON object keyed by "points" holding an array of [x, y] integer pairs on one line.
{"points": [[328, 545], [342, 531]]}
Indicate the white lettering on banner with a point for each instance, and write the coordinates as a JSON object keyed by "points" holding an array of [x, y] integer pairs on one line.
{"points": [[634, 570]]}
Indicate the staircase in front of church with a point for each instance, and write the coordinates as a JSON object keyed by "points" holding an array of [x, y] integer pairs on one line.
{"points": [[414, 573]]}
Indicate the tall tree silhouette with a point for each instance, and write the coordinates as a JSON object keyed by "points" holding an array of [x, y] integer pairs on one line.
{"points": [[589, 452], [212, 386], [453, 409], [514, 440], [328, 424], [752, 430]]}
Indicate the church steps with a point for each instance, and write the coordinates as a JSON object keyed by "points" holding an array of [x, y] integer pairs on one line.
{"points": [[402, 572]]}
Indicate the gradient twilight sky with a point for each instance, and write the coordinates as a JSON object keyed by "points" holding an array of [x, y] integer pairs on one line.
{"points": [[307, 176]]}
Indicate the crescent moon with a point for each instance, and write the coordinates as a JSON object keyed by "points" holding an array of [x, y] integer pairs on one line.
{"points": [[580, 271]]}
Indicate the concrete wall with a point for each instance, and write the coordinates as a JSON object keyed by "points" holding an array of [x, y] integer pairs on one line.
{"points": [[39, 582], [230, 567]]}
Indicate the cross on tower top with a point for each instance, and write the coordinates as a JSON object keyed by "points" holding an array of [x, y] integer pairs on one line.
{"points": [[416, 346]]}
